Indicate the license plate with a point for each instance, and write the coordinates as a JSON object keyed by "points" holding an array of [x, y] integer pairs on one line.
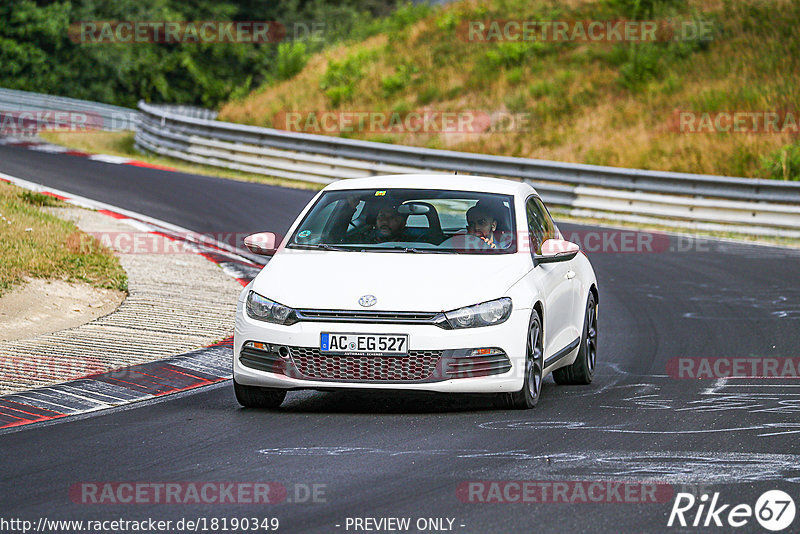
{"points": [[361, 344]]}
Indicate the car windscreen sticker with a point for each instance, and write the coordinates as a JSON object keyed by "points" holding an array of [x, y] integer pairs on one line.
{"points": [[380, 193]]}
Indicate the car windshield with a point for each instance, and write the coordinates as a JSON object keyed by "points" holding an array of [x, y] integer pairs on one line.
{"points": [[409, 220]]}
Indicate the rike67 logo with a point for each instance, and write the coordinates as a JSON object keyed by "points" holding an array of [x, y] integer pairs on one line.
{"points": [[774, 510]]}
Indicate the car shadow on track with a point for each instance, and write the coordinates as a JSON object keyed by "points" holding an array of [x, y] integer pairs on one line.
{"points": [[395, 402]]}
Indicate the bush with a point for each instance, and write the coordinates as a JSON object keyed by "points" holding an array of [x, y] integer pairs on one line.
{"points": [[39, 199], [541, 88], [642, 65], [783, 164], [448, 20], [290, 60], [340, 93], [514, 76], [507, 54], [641, 8], [340, 78], [399, 80], [429, 94], [405, 15]]}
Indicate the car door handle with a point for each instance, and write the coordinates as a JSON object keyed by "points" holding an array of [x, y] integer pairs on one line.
{"points": [[570, 275]]}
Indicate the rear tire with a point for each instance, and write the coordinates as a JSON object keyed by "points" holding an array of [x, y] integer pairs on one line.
{"points": [[582, 370], [528, 396], [256, 397]]}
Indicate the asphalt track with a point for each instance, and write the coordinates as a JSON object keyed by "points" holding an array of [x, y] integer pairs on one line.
{"points": [[406, 455]]}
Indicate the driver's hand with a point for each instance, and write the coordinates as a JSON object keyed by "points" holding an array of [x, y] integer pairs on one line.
{"points": [[488, 244]]}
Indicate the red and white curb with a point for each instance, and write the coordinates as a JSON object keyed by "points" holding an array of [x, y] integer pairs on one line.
{"points": [[127, 385], [43, 146], [135, 383]]}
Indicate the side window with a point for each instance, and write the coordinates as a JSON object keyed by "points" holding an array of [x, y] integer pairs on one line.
{"points": [[417, 221], [549, 226], [535, 227], [540, 224]]}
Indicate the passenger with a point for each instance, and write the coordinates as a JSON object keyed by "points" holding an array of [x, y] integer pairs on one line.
{"points": [[482, 223]]}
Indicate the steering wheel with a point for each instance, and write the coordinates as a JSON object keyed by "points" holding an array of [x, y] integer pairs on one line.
{"points": [[356, 235], [465, 242]]}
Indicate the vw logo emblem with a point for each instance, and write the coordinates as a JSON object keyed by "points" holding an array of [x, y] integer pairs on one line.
{"points": [[367, 301]]}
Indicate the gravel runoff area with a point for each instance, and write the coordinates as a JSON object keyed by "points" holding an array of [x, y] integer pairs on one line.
{"points": [[177, 302], [40, 306]]}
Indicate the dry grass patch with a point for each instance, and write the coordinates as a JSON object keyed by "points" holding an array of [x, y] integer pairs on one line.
{"points": [[36, 244], [599, 103]]}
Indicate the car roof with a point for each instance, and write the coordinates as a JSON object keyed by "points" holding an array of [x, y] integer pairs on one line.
{"points": [[448, 182]]}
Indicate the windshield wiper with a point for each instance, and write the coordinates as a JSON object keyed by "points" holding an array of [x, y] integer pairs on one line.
{"points": [[414, 250], [323, 246], [357, 248]]}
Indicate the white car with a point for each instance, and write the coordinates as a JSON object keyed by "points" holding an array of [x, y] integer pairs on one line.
{"points": [[455, 284]]}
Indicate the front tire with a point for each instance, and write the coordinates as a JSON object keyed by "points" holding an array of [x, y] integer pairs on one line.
{"points": [[582, 370], [256, 397], [528, 396]]}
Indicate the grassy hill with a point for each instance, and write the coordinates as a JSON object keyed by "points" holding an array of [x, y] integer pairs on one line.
{"points": [[602, 103]]}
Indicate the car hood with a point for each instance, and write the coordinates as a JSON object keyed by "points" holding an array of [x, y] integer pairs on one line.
{"points": [[399, 281]]}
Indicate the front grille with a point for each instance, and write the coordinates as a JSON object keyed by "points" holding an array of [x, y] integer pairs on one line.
{"points": [[363, 316], [417, 365]]}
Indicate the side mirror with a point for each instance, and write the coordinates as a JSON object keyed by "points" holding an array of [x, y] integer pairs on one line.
{"points": [[555, 250], [262, 243]]}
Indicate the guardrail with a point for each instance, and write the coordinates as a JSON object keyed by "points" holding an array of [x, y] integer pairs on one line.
{"points": [[711, 203], [101, 116]]}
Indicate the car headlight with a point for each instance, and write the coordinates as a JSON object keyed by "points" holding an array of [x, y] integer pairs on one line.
{"points": [[263, 309], [483, 314]]}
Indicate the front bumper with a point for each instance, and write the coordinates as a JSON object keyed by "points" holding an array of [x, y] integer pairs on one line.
{"points": [[288, 357]]}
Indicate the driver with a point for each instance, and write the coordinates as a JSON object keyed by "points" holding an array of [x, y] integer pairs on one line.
{"points": [[389, 224]]}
